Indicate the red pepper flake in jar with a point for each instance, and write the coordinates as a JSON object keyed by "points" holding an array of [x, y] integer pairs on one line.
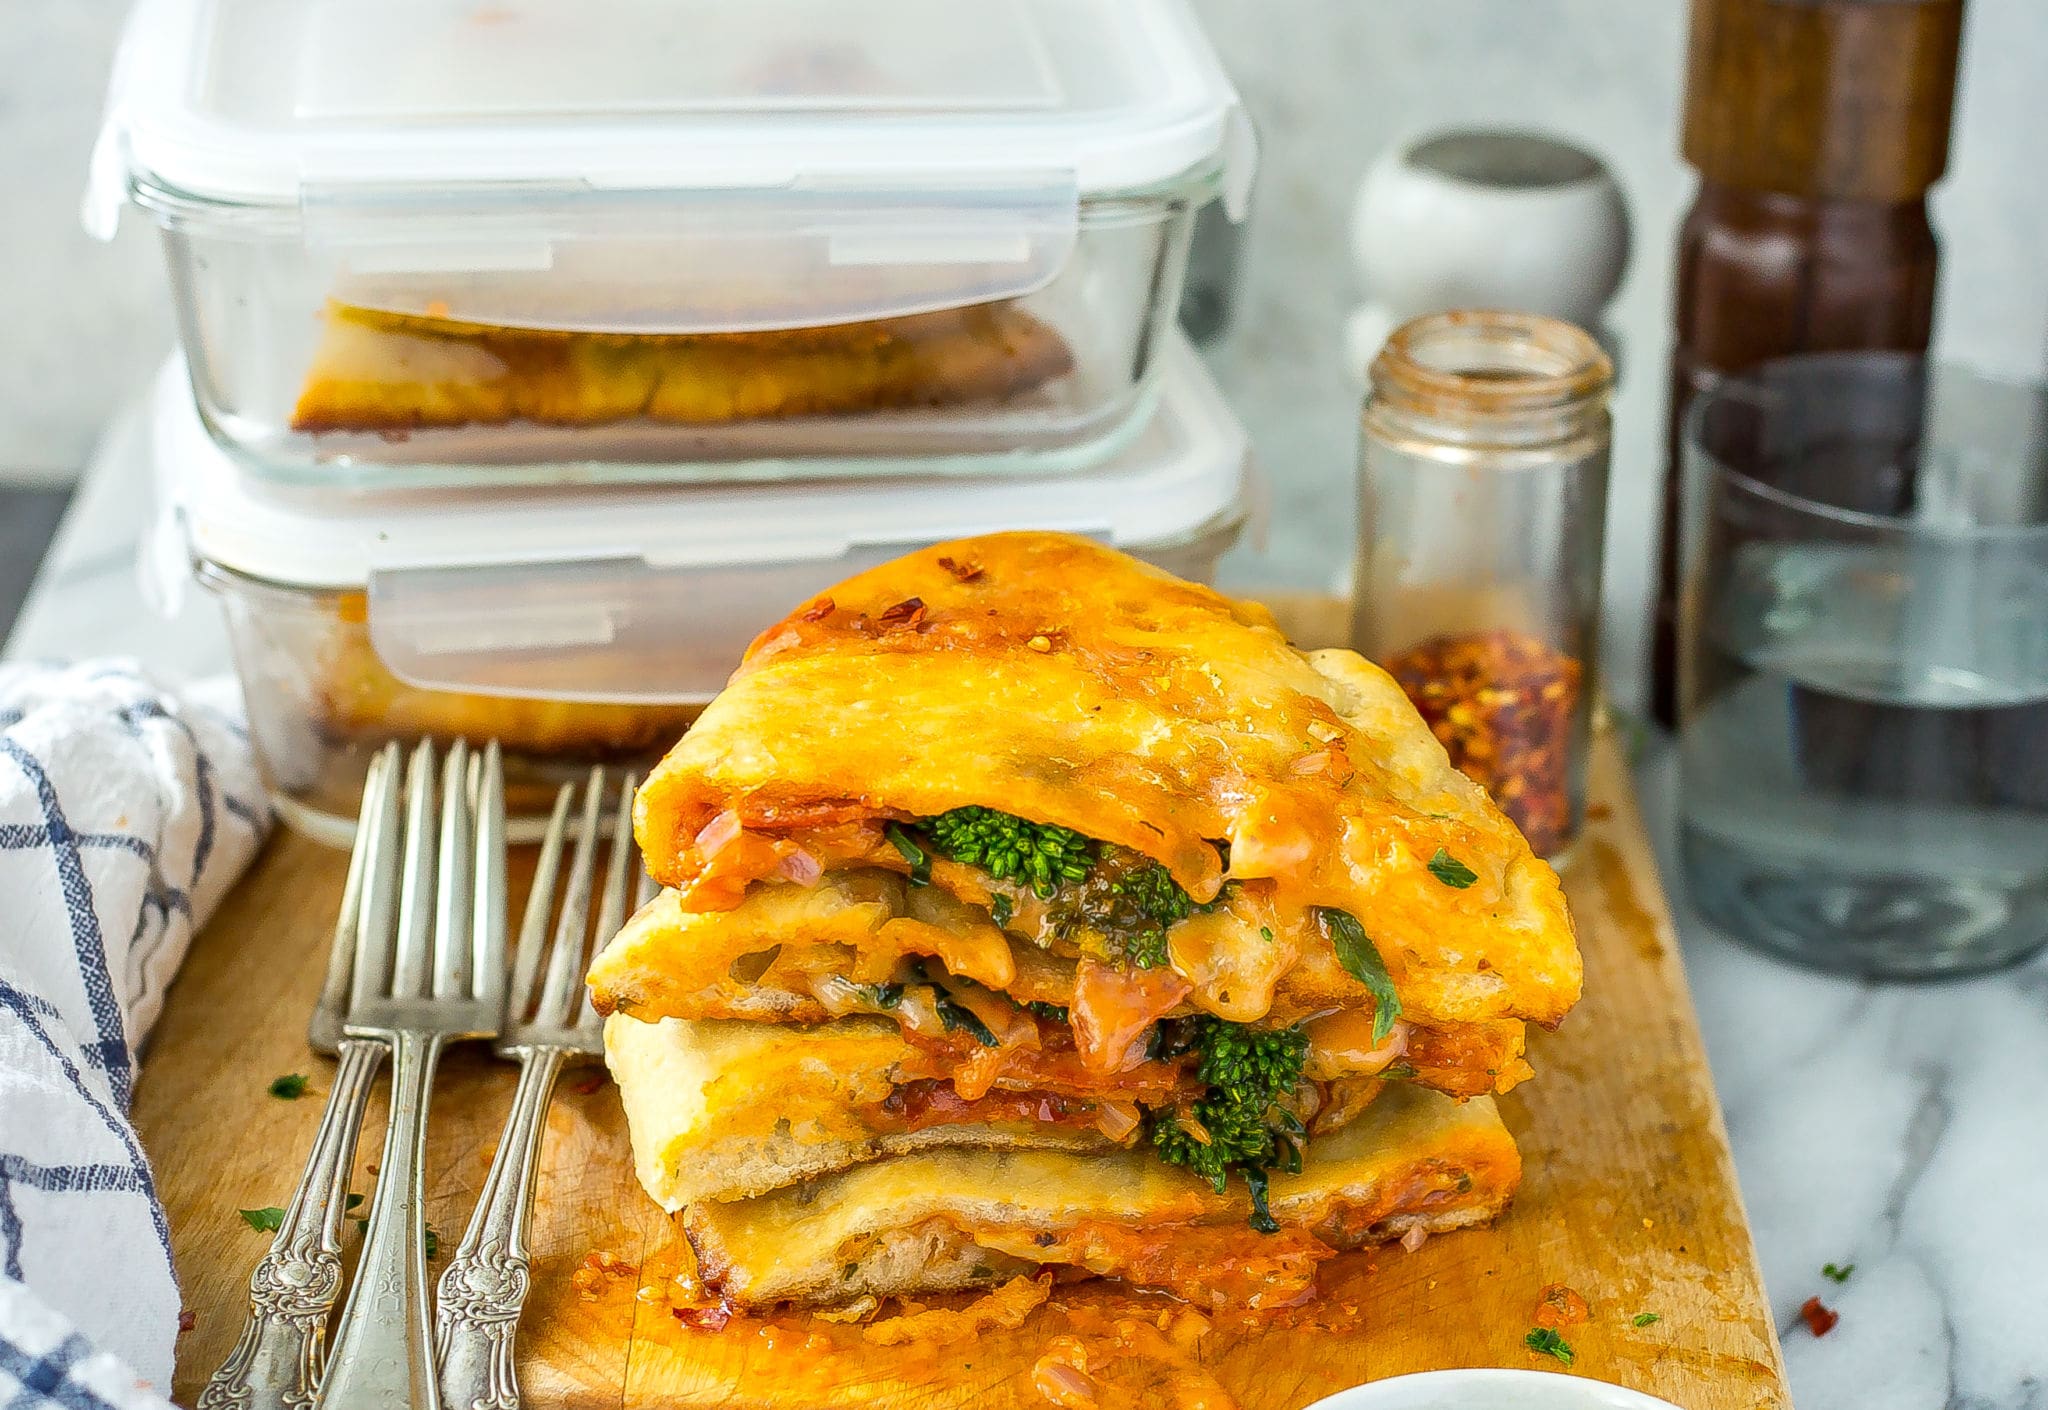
{"points": [[1820, 1318], [1501, 703]]}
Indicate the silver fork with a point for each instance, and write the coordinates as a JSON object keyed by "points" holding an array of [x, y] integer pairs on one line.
{"points": [[276, 1362], [429, 970], [484, 1286]]}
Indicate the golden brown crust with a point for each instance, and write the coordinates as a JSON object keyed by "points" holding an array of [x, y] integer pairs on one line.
{"points": [[938, 1220], [386, 372], [1053, 678]]}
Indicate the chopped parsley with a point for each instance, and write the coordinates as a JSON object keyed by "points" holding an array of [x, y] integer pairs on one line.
{"points": [[1362, 962], [1450, 871], [1644, 1319], [289, 1087], [268, 1219], [1546, 1342], [1837, 1273], [1249, 1071], [920, 864]]}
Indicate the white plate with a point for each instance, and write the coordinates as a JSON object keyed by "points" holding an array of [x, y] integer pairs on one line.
{"points": [[1490, 1390]]}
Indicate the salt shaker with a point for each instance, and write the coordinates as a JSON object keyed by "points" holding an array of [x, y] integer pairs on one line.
{"points": [[1483, 501], [1485, 218]]}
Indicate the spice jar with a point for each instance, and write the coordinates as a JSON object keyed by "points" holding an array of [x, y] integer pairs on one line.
{"points": [[1482, 508]]}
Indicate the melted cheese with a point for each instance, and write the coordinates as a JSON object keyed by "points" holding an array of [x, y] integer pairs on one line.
{"points": [[1050, 677]]}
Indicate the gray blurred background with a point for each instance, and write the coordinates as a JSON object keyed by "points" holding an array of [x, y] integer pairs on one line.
{"points": [[1329, 82]]}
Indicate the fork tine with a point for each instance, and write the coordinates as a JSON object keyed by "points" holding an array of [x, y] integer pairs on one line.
{"points": [[611, 910], [379, 906], [565, 968], [454, 879], [416, 897], [341, 957], [487, 798], [533, 927]]}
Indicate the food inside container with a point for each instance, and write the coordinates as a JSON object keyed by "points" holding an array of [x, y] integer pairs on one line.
{"points": [[591, 627], [425, 243], [394, 373]]}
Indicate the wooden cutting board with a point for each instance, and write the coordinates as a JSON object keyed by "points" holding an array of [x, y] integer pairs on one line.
{"points": [[1629, 1199]]}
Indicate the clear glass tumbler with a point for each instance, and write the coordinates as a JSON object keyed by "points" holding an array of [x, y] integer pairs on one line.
{"points": [[1864, 683], [1482, 504]]}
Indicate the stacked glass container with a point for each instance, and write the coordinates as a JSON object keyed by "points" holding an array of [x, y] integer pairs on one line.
{"points": [[534, 356]]}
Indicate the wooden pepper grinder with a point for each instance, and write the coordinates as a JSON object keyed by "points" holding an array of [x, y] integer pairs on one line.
{"points": [[1817, 127]]}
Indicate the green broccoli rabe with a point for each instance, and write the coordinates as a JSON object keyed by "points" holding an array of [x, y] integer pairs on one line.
{"points": [[1128, 899], [1039, 855], [1249, 1071]]}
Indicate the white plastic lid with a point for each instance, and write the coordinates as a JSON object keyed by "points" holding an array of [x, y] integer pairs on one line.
{"points": [[458, 581], [304, 105]]}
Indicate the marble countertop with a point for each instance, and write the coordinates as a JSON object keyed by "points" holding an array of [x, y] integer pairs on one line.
{"points": [[1894, 1128]]}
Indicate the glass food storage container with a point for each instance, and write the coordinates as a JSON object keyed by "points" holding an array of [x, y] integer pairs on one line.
{"points": [[429, 241], [592, 628], [1482, 513]]}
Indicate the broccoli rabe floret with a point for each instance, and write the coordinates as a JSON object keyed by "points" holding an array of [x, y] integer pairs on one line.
{"points": [[1039, 855], [1128, 899], [1248, 1071]]}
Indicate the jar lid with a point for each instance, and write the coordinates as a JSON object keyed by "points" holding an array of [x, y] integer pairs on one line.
{"points": [[1185, 470], [1827, 99], [407, 109]]}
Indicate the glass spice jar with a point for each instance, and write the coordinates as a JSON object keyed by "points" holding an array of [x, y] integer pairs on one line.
{"points": [[1482, 510]]}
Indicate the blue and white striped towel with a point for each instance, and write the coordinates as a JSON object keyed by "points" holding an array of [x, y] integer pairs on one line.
{"points": [[125, 816]]}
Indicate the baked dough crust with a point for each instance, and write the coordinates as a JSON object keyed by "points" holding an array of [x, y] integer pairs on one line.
{"points": [[937, 1221], [389, 372], [722, 1110], [1054, 678]]}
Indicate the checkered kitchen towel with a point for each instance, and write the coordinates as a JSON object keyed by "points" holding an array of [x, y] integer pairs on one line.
{"points": [[125, 816]]}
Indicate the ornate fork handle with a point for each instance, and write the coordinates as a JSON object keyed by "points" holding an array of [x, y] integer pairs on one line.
{"points": [[276, 1363], [485, 1284], [383, 1349]]}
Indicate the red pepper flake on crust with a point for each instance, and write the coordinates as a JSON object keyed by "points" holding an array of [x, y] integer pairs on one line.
{"points": [[908, 613], [818, 611], [965, 572], [1820, 1318], [704, 1319], [1560, 1306]]}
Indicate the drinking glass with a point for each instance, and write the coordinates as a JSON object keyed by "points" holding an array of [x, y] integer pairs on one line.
{"points": [[1864, 687]]}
